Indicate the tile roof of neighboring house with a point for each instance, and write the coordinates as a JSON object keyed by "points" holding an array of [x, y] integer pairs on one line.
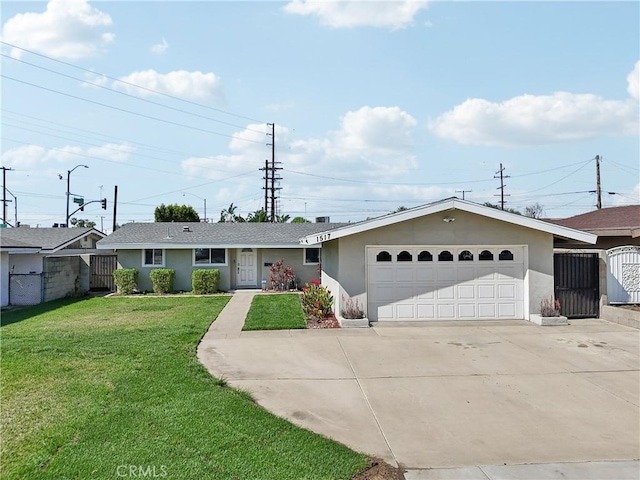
{"points": [[173, 235], [50, 239], [612, 221]]}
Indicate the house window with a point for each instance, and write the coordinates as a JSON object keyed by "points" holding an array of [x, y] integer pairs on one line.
{"points": [[404, 256], [153, 257], [445, 256], [465, 256], [311, 256], [505, 255], [485, 255], [209, 256], [383, 256], [425, 256]]}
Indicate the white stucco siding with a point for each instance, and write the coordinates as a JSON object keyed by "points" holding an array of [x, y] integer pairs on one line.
{"points": [[466, 229]]}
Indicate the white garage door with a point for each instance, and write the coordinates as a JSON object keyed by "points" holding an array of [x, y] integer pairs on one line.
{"points": [[442, 283]]}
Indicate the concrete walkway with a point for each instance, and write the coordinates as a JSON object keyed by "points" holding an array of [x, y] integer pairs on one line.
{"points": [[451, 399]]}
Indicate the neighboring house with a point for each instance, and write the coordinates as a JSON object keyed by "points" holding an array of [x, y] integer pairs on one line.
{"points": [[617, 249], [42, 264], [243, 252], [449, 260], [614, 226]]}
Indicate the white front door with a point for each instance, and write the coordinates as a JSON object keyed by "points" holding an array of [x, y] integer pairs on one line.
{"points": [[247, 268]]}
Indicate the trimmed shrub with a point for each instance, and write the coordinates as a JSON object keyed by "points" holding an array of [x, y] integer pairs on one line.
{"points": [[317, 301], [162, 279], [205, 280], [126, 280]]}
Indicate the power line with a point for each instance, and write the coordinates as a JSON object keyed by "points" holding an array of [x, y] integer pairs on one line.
{"points": [[128, 111], [104, 87], [132, 84]]}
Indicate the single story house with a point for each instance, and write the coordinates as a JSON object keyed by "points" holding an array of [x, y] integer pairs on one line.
{"points": [[452, 259], [242, 252], [42, 264]]}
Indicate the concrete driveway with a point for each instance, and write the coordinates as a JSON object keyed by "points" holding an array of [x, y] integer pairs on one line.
{"points": [[449, 394]]}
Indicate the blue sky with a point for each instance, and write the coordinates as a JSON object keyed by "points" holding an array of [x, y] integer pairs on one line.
{"points": [[376, 105]]}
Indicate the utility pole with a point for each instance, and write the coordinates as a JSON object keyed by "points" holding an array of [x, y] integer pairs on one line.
{"points": [[115, 207], [266, 185], [271, 177], [502, 185], [463, 192], [4, 193], [598, 191]]}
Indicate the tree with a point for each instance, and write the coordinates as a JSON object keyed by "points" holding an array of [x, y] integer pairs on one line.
{"points": [[282, 218], [300, 220], [82, 223], [229, 215], [497, 207], [259, 216], [534, 211], [175, 213]]}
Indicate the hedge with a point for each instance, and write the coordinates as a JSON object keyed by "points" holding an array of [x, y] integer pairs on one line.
{"points": [[162, 279], [205, 281], [126, 280]]}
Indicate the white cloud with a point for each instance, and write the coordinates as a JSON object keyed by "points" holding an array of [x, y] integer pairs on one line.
{"points": [[394, 14], [628, 199], [36, 156], [70, 29], [536, 120], [633, 82], [160, 48], [371, 143], [541, 119], [180, 83]]}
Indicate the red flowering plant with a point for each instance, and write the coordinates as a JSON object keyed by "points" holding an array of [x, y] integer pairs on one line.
{"points": [[317, 301], [281, 277]]}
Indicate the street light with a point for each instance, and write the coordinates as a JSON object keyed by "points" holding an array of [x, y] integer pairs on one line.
{"points": [[203, 199], [66, 219]]}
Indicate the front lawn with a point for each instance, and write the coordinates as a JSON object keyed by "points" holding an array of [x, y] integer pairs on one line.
{"points": [[111, 388], [280, 311]]}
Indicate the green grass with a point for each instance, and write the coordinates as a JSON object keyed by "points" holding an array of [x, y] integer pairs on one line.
{"points": [[92, 387], [281, 311]]}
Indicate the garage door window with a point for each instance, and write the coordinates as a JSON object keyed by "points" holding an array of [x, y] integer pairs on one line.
{"points": [[405, 256], [465, 256], [425, 256], [383, 256], [505, 255], [445, 256], [485, 255]]}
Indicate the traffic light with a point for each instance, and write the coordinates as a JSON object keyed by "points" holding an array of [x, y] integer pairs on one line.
{"points": [[104, 203]]}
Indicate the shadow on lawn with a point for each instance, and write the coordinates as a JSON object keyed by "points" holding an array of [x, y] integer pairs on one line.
{"points": [[11, 315]]}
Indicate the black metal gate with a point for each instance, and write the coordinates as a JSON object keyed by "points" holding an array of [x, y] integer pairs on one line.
{"points": [[102, 267], [576, 284]]}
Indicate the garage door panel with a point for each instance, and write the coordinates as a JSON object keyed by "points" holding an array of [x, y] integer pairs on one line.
{"points": [[435, 290], [446, 311], [445, 293], [426, 311], [487, 310], [467, 310], [405, 311], [506, 290], [425, 274], [465, 274], [466, 292], [486, 292], [445, 274]]}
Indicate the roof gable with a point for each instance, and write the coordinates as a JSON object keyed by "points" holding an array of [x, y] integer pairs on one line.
{"points": [[446, 205], [48, 240]]}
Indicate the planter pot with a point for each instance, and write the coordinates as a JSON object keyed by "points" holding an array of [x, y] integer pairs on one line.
{"points": [[353, 322], [540, 320]]}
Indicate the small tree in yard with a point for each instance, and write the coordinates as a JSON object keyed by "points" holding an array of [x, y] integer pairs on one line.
{"points": [[281, 276]]}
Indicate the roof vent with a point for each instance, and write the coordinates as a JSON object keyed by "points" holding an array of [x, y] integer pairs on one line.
{"points": [[186, 228]]}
